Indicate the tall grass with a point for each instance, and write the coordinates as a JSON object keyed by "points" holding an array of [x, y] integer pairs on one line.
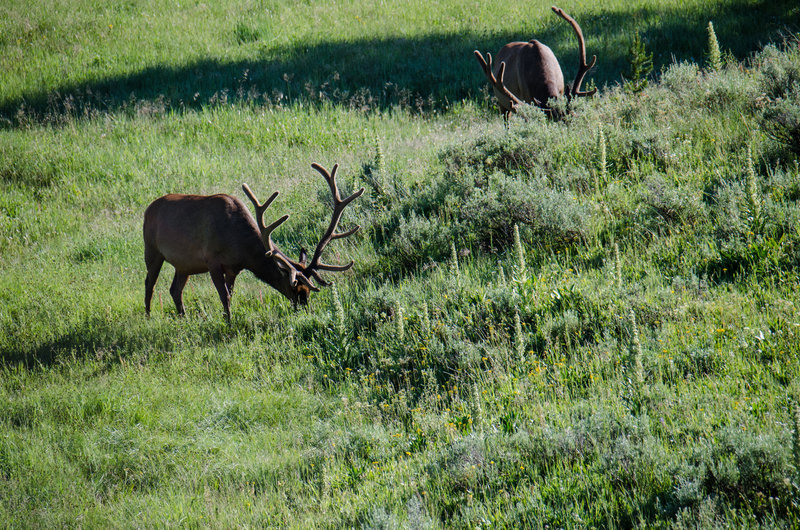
{"points": [[582, 323]]}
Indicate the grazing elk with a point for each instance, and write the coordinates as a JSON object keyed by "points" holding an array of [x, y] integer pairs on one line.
{"points": [[217, 234], [529, 72]]}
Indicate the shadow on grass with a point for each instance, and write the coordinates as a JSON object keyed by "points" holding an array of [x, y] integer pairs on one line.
{"points": [[113, 341], [423, 74]]}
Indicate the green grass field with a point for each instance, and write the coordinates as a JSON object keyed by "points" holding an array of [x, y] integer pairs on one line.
{"points": [[590, 322]]}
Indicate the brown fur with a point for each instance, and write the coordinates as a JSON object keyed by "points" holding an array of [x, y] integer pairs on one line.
{"points": [[214, 234], [217, 234], [529, 72], [532, 74]]}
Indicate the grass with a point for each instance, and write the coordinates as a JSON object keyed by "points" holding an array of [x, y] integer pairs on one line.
{"points": [[583, 323]]}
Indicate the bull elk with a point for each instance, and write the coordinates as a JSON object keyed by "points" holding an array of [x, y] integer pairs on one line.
{"points": [[529, 72], [217, 234]]}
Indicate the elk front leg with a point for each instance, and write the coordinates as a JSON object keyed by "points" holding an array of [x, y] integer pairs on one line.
{"points": [[176, 290], [220, 282]]}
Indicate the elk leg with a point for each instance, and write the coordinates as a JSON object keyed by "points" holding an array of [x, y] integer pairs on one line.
{"points": [[218, 277], [176, 290], [230, 278], [153, 261]]}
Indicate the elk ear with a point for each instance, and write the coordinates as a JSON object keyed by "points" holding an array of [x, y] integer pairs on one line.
{"points": [[280, 263], [284, 265]]}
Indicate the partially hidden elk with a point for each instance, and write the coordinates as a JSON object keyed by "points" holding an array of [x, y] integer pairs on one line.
{"points": [[529, 72], [218, 235]]}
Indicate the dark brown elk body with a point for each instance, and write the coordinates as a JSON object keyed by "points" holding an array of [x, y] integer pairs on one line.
{"points": [[529, 72], [217, 234]]}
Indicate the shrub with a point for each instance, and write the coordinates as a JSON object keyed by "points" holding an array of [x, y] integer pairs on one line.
{"points": [[781, 120], [779, 79], [680, 78], [668, 205], [778, 70], [544, 214], [750, 469], [415, 241]]}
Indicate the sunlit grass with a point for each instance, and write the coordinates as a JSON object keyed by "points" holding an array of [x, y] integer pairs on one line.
{"points": [[542, 327]]}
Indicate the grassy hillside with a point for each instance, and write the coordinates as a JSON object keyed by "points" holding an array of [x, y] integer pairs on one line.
{"points": [[82, 57], [590, 322]]}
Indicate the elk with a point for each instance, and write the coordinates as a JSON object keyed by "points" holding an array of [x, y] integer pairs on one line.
{"points": [[217, 234], [529, 72]]}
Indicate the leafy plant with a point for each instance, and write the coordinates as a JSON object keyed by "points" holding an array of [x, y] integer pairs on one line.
{"points": [[640, 64]]}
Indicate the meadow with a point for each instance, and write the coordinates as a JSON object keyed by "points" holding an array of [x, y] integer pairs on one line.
{"points": [[589, 322]]}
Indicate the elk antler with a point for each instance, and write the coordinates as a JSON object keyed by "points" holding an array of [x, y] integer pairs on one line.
{"points": [[583, 68], [497, 83], [338, 208], [266, 231]]}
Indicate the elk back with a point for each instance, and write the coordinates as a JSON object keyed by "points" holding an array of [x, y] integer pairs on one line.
{"points": [[532, 73]]}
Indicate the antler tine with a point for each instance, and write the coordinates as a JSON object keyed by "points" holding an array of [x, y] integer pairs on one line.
{"points": [[338, 202], [496, 82], [339, 205], [295, 275], [515, 101], [582, 71], [260, 208], [591, 92], [330, 178], [266, 231], [583, 68], [486, 66]]}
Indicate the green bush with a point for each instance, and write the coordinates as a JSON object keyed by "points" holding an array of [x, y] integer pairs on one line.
{"points": [[782, 120], [748, 470]]}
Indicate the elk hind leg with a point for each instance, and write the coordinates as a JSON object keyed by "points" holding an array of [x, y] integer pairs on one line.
{"points": [[230, 279], [176, 290], [153, 261], [221, 283]]}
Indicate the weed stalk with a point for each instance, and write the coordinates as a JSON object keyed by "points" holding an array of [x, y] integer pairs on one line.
{"points": [[453, 260], [796, 440], [521, 272], [601, 147], [519, 338], [338, 311], [714, 54], [753, 200], [636, 350], [425, 322]]}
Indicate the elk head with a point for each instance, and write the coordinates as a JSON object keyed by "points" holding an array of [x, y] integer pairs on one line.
{"points": [[297, 284], [217, 234], [529, 72]]}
